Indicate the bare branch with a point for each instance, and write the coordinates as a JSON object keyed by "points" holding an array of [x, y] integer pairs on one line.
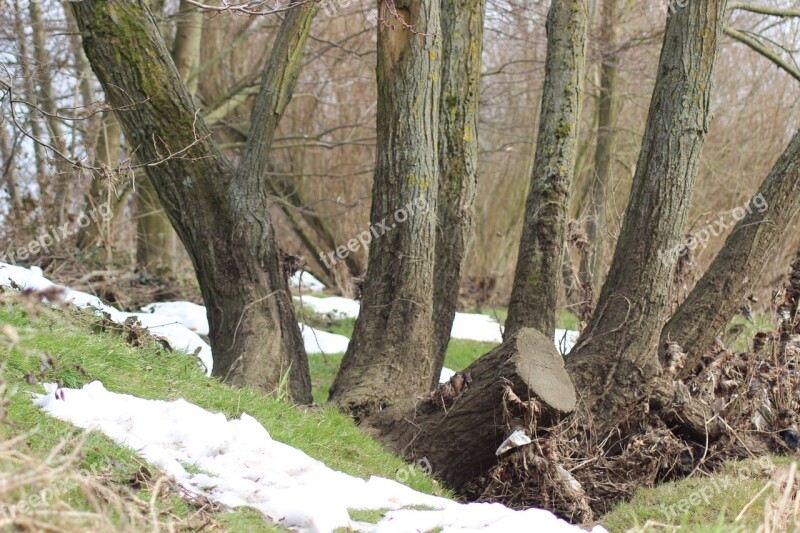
{"points": [[753, 43], [764, 10]]}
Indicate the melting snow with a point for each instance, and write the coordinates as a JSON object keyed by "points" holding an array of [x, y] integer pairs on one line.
{"points": [[236, 463], [168, 328], [306, 282]]}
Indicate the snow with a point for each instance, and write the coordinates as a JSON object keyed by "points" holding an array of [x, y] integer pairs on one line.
{"points": [[164, 327], [335, 306], [317, 341], [237, 463], [305, 282], [189, 314]]}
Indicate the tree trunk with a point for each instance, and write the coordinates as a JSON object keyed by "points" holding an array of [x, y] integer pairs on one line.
{"points": [[754, 240], [617, 353], [36, 129], [391, 353], [62, 190], [462, 43], [459, 427], [537, 280], [156, 241], [607, 106], [220, 213], [7, 166]]}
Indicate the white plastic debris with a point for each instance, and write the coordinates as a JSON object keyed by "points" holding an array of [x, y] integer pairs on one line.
{"points": [[515, 440]]}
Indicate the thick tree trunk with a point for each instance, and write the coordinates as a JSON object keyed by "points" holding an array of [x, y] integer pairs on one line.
{"points": [[460, 426], [617, 353], [391, 354], [607, 106], [220, 213], [462, 43], [537, 280], [156, 241], [753, 242]]}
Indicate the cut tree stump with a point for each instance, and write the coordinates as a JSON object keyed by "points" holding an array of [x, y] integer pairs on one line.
{"points": [[457, 429]]}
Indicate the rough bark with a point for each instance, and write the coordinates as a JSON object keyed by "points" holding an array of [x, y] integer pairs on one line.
{"points": [[391, 353], [459, 427], [537, 280], [462, 43], [719, 294], [220, 213], [156, 241], [617, 353], [607, 106]]}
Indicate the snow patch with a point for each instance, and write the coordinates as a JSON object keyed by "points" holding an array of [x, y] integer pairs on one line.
{"points": [[335, 306], [166, 328], [237, 463], [305, 282], [317, 341]]}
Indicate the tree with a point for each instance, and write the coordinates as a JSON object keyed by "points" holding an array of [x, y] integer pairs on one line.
{"points": [[462, 43], [219, 211], [616, 355], [537, 280], [391, 353], [607, 108]]}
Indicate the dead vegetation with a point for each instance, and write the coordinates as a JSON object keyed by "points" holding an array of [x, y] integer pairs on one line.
{"points": [[730, 406]]}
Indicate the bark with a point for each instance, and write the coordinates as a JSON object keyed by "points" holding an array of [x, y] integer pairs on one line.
{"points": [[537, 280], [156, 241], [617, 353], [459, 427], [186, 48], [607, 106], [221, 213], [391, 353], [462, 43], [719, 294]]}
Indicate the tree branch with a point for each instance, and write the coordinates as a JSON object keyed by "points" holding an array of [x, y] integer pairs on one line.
{"points": [[743, 38], [764, 10]]}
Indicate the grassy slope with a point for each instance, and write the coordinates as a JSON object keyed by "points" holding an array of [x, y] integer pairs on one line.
{"points": [[150, 372], [80, 356]]}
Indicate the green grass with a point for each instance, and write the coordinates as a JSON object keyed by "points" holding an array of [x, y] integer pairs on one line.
{"points": [[80, 356], [701, 504]]}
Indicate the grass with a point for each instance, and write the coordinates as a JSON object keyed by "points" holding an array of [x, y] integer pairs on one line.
{"points": [[702, 504], [58, 346]]}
